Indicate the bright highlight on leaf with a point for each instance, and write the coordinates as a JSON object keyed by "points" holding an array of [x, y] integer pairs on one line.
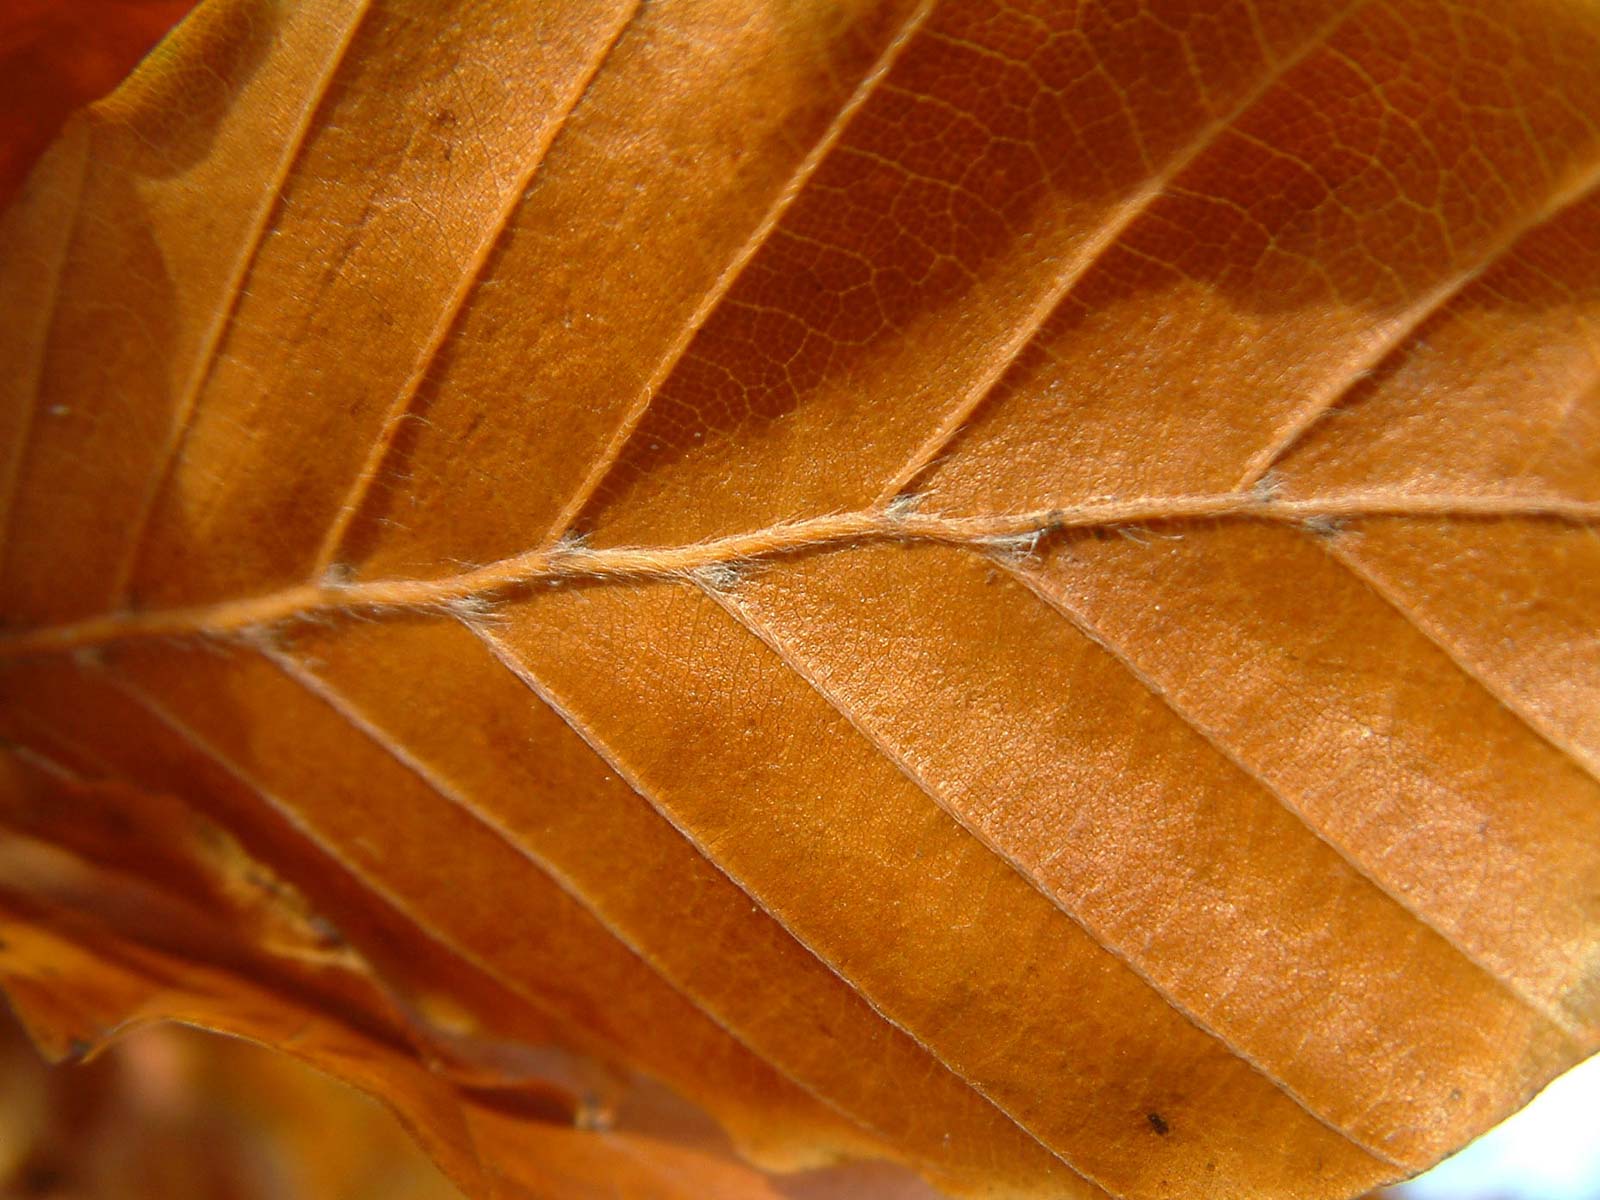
{"points": [[768, 598]]}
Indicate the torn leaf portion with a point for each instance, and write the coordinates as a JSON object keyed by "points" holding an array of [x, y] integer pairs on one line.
{"points": [[77, 987], [169, 1111]]}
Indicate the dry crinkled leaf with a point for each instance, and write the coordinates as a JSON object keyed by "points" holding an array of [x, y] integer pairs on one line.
{"points": [[1007, 590], [171, 1113], [78, 988]]}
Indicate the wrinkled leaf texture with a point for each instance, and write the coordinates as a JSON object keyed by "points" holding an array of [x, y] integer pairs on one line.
{"points": [[1004, 590]]}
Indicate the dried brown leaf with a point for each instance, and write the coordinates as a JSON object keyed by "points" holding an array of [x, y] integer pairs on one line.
{"points": [[1008, 591]]}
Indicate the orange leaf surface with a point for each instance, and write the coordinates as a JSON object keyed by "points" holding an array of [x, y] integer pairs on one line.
{"points": [[908, 593]]}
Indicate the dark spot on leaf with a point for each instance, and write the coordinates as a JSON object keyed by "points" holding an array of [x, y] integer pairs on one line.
{"points": [[40, 1179]]}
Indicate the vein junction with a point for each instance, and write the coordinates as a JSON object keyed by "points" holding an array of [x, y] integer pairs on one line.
{"points": [[718, 560]]}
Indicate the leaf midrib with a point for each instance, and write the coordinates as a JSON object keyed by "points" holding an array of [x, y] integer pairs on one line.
{"points": [[569, 561]]}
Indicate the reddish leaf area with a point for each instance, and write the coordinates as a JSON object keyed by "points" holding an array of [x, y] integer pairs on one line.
{"points": [[56, 55]]}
